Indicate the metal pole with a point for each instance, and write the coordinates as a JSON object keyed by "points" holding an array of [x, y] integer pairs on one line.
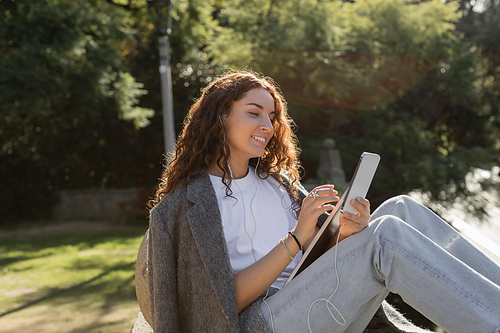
{"points": [[165, 72], [166, 96]]}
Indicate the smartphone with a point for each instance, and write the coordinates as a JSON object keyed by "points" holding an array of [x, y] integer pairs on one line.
{"points": [[361, 180], [325, 237]]}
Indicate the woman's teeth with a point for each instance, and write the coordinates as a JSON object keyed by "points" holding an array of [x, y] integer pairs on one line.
{"points": [[259, 138]]}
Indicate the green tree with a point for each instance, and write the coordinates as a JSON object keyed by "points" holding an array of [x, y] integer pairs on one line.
{"points": [[339, 55], [481, 26], [192, 27], [387, 76], [75, 113], [67, 101]]}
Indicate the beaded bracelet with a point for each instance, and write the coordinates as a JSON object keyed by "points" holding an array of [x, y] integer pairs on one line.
{"points": [[286, 247]]}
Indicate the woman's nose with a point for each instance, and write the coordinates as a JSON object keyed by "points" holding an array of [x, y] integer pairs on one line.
{"points": [[267, 124]]}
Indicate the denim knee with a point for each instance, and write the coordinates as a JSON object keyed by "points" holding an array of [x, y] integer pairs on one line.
{"points": [[402, 199], [408, 210], [387, 226]]}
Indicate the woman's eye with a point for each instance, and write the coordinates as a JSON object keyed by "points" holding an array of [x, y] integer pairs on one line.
{"points": [[255, 114]]}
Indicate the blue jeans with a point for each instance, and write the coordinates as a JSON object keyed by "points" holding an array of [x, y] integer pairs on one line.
{"points": [[407, 250]]}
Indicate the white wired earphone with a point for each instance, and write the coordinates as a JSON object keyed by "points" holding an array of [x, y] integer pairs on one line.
{"points": [[326, 300], [255, 227], [251, 210], [243, 201]]}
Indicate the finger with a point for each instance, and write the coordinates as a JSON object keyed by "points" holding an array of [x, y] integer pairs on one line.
{"points": [[360, 208], [310, 216], [353, 218], [352, 227], [344, 220], [323, 200], [322, 209], [329, 191], [322, 188], [365, 202], [350, 217], [323, 204], [325, 186], [321, 193]]}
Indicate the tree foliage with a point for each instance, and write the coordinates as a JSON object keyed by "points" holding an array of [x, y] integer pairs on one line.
{"points": [[417, 82], [65, 88], [74, 113], [394, 77], [340, 55]]}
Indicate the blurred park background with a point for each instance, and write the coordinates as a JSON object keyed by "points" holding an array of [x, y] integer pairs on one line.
{"points": [[418, 82]]}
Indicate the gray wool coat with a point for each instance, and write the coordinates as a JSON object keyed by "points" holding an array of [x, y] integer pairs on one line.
{"points": [[191, 283]]}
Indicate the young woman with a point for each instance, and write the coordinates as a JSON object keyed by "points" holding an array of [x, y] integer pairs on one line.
{"points": [[230, 222]]}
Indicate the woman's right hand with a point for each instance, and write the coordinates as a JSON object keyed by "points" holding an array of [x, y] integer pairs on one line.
{"points": [[311, 210], [252, 281]]}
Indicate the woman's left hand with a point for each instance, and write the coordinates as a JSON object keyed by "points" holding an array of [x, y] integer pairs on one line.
{"points": [[354, 223]]}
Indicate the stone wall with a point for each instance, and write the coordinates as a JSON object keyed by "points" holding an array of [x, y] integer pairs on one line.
{"points": [[94, 205], [104, 205]]}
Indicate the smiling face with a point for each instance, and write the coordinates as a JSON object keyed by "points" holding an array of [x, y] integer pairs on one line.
{"points": [[249, 126]]}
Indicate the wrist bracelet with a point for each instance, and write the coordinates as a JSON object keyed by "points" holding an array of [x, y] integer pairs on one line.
{"points": [[296, 240], [286, 247]]}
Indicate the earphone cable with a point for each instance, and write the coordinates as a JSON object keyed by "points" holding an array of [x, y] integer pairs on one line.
{"points": [[327, 301]]}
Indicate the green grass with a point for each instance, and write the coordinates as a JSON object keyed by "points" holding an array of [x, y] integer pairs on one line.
{"points": [[73, 277]]}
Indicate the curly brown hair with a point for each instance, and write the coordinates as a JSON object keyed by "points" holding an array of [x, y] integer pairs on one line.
{"points": [[202, 143]]}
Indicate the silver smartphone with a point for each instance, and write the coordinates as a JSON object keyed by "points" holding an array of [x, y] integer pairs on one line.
{"points": [[361, 180], [325, 237]]}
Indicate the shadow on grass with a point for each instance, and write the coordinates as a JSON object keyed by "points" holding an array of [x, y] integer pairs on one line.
{"points": [[31, 246], [15, 259], [58, 292]]}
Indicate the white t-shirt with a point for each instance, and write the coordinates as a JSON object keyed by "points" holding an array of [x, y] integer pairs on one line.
{"points": [[266, 216]]}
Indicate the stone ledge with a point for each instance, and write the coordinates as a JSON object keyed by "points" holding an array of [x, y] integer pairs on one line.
{"points": [[94, 205], [141, 325]]}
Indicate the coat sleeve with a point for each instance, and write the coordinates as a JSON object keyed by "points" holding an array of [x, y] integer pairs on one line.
{"points": [[162, 276]]}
